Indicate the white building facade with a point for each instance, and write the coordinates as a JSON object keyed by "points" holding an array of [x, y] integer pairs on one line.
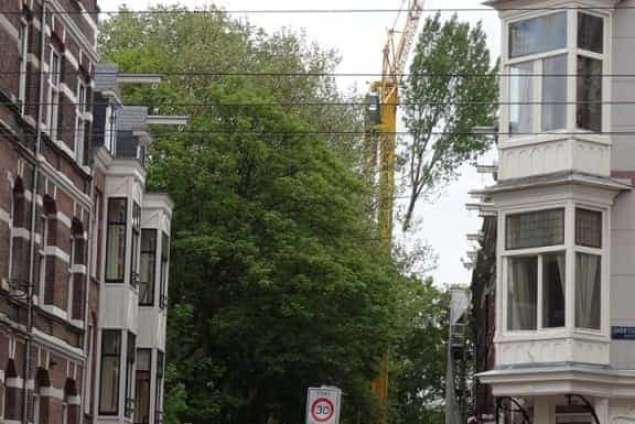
{"points": [[565, 213]]}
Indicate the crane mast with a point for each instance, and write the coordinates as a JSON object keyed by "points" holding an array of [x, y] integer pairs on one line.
{"points": [[382, 142]]}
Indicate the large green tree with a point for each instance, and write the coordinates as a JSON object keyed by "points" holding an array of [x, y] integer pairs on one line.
{"points": [[452, 88], [279, 281]]}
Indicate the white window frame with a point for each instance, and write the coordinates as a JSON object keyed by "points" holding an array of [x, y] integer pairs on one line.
{"points": [[110, 129], [570, 249], [572, 51], [24, 52], [80, 121], [55, 78]]}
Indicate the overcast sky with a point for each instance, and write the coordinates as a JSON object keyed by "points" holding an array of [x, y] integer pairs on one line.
{"points": [[359, 38]]}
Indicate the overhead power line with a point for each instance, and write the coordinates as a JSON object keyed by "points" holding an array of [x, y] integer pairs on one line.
{"points": [[230, 131], [212, 105], [354, 74], [314, 11]]}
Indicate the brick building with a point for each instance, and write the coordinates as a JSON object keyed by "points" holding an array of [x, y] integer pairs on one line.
{"points": [[84, 250]]}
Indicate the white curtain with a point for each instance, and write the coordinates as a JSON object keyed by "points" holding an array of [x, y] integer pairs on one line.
{"points": [[520, 93], [522, 296], [588, 296]]}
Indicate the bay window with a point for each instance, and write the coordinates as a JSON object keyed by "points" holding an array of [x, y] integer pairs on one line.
{"points": [[541, 60], [116, 239], [536, 254]]}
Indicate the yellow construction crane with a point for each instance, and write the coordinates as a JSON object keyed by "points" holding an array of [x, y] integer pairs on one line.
{"points": [[382, 142]]}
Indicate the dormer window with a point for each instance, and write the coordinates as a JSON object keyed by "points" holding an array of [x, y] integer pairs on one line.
{"points": [[543, 57]]}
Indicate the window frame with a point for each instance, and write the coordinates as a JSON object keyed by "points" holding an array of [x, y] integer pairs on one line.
{"points": [[131, 356], [572, 51], [25, 27], [153, 266], [54, 80], [81, 107], [146, 376], [117, 357], [158, 389], [124, 224], [164, 271], [570, 249], [135, 243]]}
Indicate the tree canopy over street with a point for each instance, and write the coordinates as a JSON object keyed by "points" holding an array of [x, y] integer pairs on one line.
{"points": [[279, 278]]}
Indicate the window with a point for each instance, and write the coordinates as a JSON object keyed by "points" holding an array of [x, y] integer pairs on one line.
{"points": [[142, 386], [535, 281], [554, 93], [590, 33], [24, 51], [134, 251], [148, 266], [116, 239], [537, 66], [589, 90], [534, 229], [522, 294], [158, 390], [80, 122], [536, 264], [110, 131], [588, 268], [521, 98], [55, 74], [588, 228], [538, 35], [130, 360], [109, 383], [165, 257]]}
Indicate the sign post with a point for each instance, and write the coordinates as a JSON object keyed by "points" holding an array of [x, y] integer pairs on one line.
{"points": [[323, 405]]}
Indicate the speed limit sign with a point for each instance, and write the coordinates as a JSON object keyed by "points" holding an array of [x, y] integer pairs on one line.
{"points": [[323, 405]]}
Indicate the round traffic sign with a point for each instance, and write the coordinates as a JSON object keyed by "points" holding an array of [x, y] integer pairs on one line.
{"points": [[322, 410]]}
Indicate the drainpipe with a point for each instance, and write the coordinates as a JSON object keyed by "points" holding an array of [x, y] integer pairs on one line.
{"points": [[34, 194]]}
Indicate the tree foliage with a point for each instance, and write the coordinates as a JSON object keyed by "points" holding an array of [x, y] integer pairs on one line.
{"points": [[278, 281], [418, 356], [451, 89]]}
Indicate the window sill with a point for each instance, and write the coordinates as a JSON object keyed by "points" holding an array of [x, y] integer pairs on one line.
{"points": [[552, 333]]}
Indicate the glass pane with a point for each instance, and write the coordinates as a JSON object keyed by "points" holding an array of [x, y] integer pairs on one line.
{"points": [[554, 93], [588, 293], [142, 398], [521, 97], [535, 229], [589, 92], [115, 252], [553, 284], [117, 210], [522, 293], [538, 35], [144, 359], [111, 342], [588, 228], [590, 33]]}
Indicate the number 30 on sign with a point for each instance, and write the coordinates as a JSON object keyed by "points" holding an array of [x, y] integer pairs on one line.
{"points": [[323, 405]]}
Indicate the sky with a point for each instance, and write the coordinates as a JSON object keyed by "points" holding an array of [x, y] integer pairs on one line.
{"points": [[359, 38]]}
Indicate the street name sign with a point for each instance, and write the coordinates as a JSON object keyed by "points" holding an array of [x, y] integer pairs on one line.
{"points": [[323, 405]]}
